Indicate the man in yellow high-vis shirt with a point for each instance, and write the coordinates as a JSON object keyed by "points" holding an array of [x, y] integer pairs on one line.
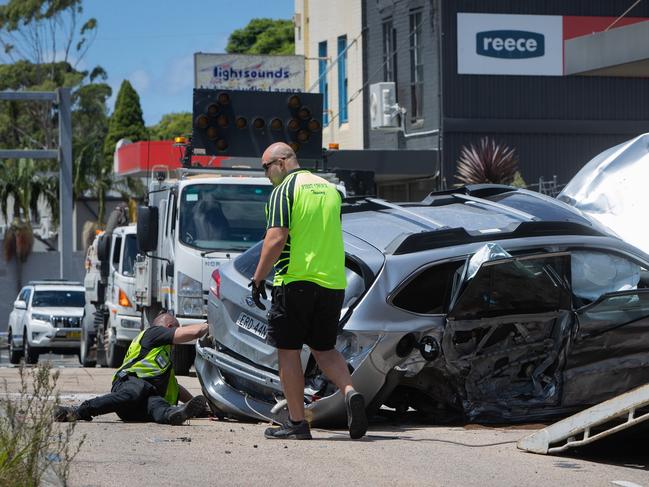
{"points": [[304, 242], [145, 387]]}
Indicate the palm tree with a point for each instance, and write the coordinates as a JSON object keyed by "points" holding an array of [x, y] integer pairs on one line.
{"points": [[23, 183], [489, 162]]}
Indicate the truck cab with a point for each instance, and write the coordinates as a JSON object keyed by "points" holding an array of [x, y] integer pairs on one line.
{"points": [[191, 226], [111, 319]]}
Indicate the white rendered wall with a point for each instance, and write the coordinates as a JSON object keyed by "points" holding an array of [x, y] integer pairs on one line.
{"points": [[326, 20]]}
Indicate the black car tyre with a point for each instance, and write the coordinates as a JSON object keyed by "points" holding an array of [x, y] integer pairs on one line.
{"points": [[86, 342], [31, 355], [182, 357], [115, 352], [14, 353]]}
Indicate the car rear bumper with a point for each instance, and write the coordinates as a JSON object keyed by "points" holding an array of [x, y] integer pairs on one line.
{"points": [[236, 388]]}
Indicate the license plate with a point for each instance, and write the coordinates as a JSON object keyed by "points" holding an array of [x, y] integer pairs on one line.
{"points": [[73, 334], [252, 325]]}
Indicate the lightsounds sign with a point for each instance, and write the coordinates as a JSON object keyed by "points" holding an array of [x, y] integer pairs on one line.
{"points": [[510, 44], [249, 72]]}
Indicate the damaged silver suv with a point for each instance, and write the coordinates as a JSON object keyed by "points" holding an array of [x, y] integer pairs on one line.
{"points": [[482, 303]]}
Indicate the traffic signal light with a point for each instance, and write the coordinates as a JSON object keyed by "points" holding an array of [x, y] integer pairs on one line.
{"points": [[239, 123]]}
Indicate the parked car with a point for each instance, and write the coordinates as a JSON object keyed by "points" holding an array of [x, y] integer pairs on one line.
{"points": [[484, 302], [46, 317]]}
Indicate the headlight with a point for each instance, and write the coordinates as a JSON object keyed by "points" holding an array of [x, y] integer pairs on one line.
{"points": [[41, 317], [190, 306], [189, 287], [133, 324], [190, 296]]}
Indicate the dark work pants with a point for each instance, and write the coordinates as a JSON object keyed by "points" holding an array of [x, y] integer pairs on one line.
{"points": [[132, 399]]}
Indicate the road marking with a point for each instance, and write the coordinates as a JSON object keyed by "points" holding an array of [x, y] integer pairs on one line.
{"points": [[625, 483]]}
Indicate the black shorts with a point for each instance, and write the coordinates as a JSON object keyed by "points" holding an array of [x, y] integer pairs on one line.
{"points": [[304, 312]]}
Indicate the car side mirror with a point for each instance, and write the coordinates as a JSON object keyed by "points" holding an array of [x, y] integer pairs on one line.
{"points": [[20, 304]]}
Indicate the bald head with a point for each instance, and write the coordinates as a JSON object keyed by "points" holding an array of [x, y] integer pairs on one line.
{"points": [[278, 160], [277, 150], [166, 319]]}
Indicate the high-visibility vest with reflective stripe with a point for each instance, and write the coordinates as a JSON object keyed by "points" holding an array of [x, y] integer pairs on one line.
{"points": [[155, 363]]}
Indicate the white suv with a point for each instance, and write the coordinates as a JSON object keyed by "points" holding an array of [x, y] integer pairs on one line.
{"points": [[46, 318]]}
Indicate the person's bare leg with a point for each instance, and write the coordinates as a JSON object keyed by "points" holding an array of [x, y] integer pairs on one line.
{"points": [[292, 377], [332, 363]]}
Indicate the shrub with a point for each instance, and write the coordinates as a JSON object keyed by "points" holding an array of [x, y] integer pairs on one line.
{"points": [[489, 162], [32, 446]]}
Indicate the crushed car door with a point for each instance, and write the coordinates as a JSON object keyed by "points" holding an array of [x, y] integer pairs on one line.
{"points": [[609, 354], [505, 334]]}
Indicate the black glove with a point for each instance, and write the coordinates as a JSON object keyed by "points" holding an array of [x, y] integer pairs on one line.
{"points": [[258, 290]]}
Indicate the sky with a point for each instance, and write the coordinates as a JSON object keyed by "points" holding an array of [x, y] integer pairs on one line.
{"points": [[152, 42]]}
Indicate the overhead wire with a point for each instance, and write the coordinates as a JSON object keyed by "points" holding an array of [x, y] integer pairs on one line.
{"points": [[623, 15], [371, 77]]}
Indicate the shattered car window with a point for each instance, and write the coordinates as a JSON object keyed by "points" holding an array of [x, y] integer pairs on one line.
{"points": [[597, 273], [535, 284]]}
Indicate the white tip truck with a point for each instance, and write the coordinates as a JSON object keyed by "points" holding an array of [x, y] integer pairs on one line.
{"points": [[191, 225]]}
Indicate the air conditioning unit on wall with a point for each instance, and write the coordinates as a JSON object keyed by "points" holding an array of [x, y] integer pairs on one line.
{"points": [[384, 111]]}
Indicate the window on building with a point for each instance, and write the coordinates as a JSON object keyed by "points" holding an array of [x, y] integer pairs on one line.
{"points": [[389, 51], [342, 79], [324, 85], [416, 67]]}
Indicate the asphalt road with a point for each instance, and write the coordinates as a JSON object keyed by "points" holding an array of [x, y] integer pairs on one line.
{"points": [[395, 452]]}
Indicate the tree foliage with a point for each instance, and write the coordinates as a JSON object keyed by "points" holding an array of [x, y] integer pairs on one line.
{"points": [[45, 31], [126, 120], [172, 125], [263, 36]]}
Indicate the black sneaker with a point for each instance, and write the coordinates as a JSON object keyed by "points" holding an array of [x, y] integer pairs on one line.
{"points": [[356, 417], [64, 414], [190, 409], [289, 431]]}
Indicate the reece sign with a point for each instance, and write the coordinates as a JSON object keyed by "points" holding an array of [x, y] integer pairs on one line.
{"points": [[510, 44]]}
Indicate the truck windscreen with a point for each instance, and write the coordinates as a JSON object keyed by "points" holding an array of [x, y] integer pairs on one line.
{"points": [[228, 217]]}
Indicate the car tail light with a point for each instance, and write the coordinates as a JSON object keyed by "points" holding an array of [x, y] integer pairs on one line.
{"points": [[123, 299], [215, 283]]}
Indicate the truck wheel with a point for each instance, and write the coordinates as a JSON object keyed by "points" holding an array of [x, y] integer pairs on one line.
{"points": [[31, 355], [86, 343], [101, 348], [115, 352], [14, 353], [182, 357]]}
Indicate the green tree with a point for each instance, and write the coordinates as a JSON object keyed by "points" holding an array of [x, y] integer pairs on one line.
{"points": [[171, 125], [42, 42], [263, 36], [126, 120]]}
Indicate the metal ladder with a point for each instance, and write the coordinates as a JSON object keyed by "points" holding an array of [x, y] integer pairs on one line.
{"points": [[588, 426]]}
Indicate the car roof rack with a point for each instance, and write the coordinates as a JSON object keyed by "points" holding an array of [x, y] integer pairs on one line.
{"points": [[417, 242], [43, 282]]}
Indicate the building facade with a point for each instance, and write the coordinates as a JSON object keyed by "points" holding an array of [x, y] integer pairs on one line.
{"points": [[329, 36], [539, 76]]}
